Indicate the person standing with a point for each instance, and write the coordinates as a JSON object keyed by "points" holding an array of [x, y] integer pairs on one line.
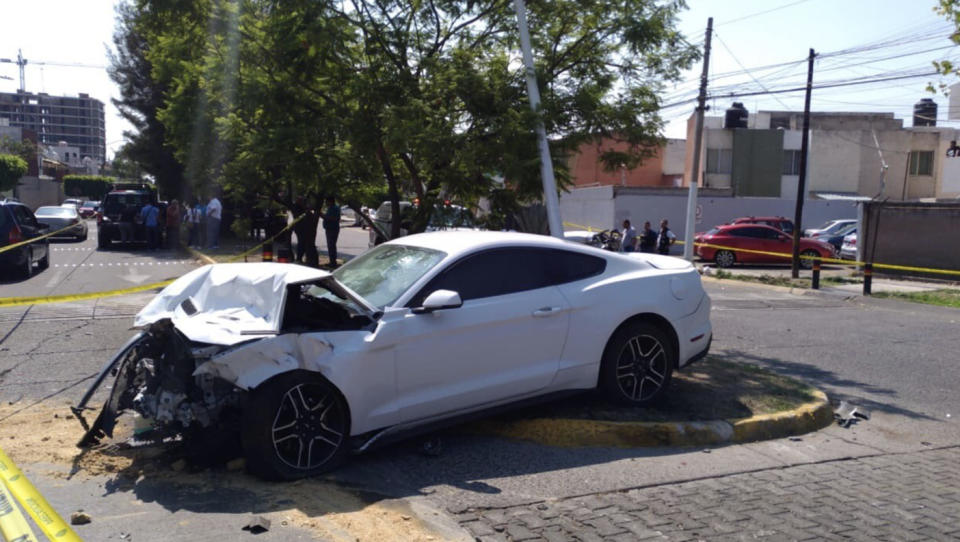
{"points": [[214, 212], [331, 226], [173, 225], [151, 223], [300, 228], [192, 218], [628, 238], [665, 238], [648, 238]]}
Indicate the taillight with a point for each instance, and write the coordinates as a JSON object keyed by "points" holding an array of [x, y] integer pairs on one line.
{"points": [[16, 235]]}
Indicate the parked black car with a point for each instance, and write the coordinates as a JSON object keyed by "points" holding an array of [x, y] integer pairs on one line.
{"points": [[122, 207], [17, 223]]}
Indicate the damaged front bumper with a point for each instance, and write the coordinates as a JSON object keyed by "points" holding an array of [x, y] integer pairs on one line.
{"points": [[155, 377]]}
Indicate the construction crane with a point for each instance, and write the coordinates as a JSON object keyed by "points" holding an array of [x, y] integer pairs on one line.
{"points": [[22, 63]]}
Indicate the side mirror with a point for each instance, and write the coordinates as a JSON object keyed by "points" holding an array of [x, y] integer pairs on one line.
{"points": [[439, 300]]}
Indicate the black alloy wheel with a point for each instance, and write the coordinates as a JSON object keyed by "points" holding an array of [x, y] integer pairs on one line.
{"points": [[724, 258], [637, 364], [807, 263], [298, 425]]}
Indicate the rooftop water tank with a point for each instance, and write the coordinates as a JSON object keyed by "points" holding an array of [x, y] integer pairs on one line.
{"points": [[925, 112], [736, 116]]}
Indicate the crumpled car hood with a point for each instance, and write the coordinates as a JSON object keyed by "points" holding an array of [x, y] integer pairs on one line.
{"points": [[227, 303]]}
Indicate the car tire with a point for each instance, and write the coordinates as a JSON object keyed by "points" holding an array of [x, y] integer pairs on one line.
{"points": [[103, 242], [26, 270], [724, 258], [289, 415], [45, 261], [807, 263], [637, 364]]}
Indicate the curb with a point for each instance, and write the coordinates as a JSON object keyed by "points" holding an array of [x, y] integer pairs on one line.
{"points": [[571, 433]]}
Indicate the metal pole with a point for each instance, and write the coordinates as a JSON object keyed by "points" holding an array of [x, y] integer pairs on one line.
{"points": [[697, 145], [550, 198], [802, 183]]}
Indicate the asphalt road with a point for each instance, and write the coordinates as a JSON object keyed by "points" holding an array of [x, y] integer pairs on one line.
{"points": [[78, 267], [895, 358]]}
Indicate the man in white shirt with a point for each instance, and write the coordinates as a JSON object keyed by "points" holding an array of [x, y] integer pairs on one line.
{"points": [[214, 212], [628, 238]]}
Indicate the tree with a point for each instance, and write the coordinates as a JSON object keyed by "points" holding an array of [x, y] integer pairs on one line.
{"points": [[950, 10], [425, 97], [11, 169]]}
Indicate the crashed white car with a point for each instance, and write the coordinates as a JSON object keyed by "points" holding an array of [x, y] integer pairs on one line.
{"points": [[424, 329]]}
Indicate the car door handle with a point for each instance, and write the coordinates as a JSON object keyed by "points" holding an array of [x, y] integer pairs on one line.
{"points": [[545, 311]]}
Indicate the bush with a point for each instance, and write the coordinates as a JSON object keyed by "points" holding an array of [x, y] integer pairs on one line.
{"points": [[92, 187], [11, 169]]}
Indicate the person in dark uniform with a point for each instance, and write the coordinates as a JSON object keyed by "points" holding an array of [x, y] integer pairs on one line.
{"points": [[331, 226], [648, 238]]}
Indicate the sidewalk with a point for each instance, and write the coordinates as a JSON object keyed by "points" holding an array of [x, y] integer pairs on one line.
{"points": [[834, 278], [901, 497]]}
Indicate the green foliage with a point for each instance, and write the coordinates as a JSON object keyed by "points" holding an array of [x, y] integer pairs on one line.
{"points": [[11, 169], [392, 99], [92, 187]]}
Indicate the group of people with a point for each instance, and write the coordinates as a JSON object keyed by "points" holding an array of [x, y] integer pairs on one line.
{"points": [[203, 223], [306, 230], [647, 240]]}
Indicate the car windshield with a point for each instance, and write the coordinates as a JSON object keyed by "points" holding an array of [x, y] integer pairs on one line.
{"points": [[89, 204], [451, 217], [59, 212], [847, 228], [383, 274]]}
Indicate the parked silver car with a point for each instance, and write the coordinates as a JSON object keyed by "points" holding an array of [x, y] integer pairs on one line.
{"points": [[848, 251]]}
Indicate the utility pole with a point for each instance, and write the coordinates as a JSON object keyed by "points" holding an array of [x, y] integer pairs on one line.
{"points": [[697, 145], [550, 198], [802, 183]]}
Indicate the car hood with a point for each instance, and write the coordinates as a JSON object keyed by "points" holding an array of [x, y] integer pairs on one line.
{"points": [[231, 303]]}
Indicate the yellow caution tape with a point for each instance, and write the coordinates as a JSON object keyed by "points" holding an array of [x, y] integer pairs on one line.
{"points": [[33, 502], [35, 239], [581, 226], [37, 300], [270, 240], [13, 526]]}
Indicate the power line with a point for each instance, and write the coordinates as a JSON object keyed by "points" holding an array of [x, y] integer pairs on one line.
{"points": [[737, 60], [759, 13]]}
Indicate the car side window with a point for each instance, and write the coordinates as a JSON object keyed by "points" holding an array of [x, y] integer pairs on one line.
{"points": [[563, 266], [771, 234], [491, 273], [739, 232], [755, 233], [25, 216]]}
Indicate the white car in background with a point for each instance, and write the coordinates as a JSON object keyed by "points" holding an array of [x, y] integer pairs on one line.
{"points": [[848, 250], [829, 227], [421, 330]]}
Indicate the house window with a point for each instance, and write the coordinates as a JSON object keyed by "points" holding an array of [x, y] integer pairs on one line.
{"points": [[921, 163], [791, 163], [719, 160]]}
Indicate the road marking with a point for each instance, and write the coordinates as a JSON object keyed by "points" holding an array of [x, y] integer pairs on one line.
{"points": [[119, 264]]}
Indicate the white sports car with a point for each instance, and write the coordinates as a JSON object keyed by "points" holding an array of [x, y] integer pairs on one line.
{"points": [[427, 328]]}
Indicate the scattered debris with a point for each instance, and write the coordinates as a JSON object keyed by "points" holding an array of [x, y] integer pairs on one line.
{"points": [[257, 525], [795, 439], [405, 517], [707, 451], [80, 518], [925, 443], [847, 414]]}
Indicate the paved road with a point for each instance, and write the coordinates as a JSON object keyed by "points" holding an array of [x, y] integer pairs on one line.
{"points": [[78, 267], [897, 359]]}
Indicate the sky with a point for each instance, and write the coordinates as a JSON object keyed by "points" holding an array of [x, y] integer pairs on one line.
{"points": [[748, 35]]}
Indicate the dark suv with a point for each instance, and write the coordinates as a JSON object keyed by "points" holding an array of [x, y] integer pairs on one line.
{"points": [[121, 206], [17, 224]]}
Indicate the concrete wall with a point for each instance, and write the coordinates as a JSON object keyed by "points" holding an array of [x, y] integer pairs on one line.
{"points": [[913, 234], [606, 207], [36, 192]]}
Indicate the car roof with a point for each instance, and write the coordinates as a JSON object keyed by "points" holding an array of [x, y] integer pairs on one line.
{"points": [[749, 218], [744, 225], [462, 242]]}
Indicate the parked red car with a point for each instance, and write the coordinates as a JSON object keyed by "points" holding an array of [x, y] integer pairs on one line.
{"points": [[781, 223], [756, 237]]}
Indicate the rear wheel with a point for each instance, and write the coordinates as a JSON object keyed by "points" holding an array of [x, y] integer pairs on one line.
{"points": [[807, 263], [103, 242], [724, 258], [637, 364], [26, 269], [297, 425], [45, 261]]}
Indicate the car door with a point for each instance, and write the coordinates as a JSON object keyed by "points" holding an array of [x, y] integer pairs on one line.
{"points": [[505, 340], [30, 228], [774, 241], [751, 239]]}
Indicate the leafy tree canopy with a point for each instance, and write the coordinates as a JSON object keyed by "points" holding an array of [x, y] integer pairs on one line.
{"points": [[12, 167]]}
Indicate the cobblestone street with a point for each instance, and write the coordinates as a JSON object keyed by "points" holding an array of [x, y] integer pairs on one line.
{"points": [[901, 497]]}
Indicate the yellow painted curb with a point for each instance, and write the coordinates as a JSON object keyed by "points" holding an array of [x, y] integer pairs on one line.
{"points": [[806, 418], [567, 432]]}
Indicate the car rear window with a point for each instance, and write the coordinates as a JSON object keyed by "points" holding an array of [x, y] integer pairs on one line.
{"points": [[115, 203], [59, 212]]}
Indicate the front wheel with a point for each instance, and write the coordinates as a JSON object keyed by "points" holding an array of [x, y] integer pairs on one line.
{"points": [[45, 261], [297, 425], [637, 364], [724, 258], [807, 262], [26, 270]]}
